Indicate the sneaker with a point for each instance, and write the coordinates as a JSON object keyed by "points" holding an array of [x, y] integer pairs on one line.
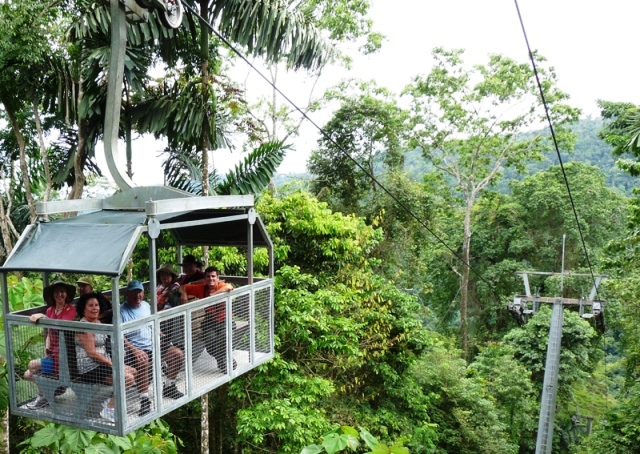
{"points": [[108, 414], [39, 402], [145, 406], [60, 390], [172, 392]]}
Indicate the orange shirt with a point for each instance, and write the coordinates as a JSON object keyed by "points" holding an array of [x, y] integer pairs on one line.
{"points": [[202, 291]]}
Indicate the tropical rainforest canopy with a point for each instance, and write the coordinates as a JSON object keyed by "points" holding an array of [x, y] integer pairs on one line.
{"points": [[395, 254]]}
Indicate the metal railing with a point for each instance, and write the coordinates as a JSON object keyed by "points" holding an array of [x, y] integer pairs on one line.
{"points": [[202, 344]]}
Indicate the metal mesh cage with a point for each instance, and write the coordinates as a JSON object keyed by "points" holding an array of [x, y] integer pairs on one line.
{"points": [[241, 327], [263, 322], [64, 373], [61, 369]]}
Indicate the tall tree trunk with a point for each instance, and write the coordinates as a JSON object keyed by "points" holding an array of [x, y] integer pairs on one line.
{"points": [[4, 229], [4, 438], [218, 414], [464, 282], [127, 132], [26, 180], [43, 151], [81, 155], [204, 424], [6, 225], [204, 56]]}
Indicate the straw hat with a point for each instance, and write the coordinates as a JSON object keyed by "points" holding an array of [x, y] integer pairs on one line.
{"points": [[168, 269], [47, 293]]}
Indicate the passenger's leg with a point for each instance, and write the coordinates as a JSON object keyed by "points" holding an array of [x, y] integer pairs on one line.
{"points": [[218, 344], [35, 366], [142, 368], [175, 361]]}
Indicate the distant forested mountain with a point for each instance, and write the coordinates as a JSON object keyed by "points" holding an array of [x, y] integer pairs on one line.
{"points": [[589, 148]]}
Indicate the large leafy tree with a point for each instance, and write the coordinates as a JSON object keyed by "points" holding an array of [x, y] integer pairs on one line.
{"points": [[346, 339], [548, 214], [580, 349], [524, 229], [28, 33], [365, 137], [622, 132], [618, 431], [469, 124], [509, 382], [463, 408]]}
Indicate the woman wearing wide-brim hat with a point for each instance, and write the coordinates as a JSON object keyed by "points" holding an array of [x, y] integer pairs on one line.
{"points": [[49, 297], [167, 280], [58, 297]]}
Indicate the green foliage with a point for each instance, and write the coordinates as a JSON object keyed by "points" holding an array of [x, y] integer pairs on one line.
{"points": [[523, 230], [619, 431], [467, 417], [346, 437], [547, 211], [272, 30], [364, 138], [307, 234], [509, 382], [580, 349], [345, 338], [57, 438], [464, 121], [24, 293], [622, 133], [453, 102], [254, 173]]}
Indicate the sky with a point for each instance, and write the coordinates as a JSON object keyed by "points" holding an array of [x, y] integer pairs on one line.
{"points": [[592, 45]]}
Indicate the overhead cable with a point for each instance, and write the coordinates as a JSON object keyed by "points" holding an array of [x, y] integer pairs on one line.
{"points": [[342, 150], [555, 143]]}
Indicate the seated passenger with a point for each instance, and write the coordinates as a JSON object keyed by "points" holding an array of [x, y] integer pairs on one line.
{"points": [[167, 294], [58, 297], [85, 286], [94, 361], [139, 348], [191, 269], [214, 328]]}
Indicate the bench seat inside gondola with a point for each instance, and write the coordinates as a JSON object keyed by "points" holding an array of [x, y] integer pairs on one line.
{"points": [[88, 396]]}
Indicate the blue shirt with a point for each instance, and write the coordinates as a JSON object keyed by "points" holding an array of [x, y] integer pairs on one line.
{"points": [[141, 338]]}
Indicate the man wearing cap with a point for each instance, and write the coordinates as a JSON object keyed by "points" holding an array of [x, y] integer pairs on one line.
{"points": [[139, 348], [85, 285], [191, 268]]}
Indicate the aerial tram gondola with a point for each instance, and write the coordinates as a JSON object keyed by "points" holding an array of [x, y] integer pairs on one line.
{"points": [[100, 240]]}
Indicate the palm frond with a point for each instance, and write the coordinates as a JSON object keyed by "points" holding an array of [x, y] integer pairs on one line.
{"points": [[271, 29], [253, 174]]}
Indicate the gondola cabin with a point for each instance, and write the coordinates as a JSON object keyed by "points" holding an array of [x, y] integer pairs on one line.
{"points": [[185, 360]]}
